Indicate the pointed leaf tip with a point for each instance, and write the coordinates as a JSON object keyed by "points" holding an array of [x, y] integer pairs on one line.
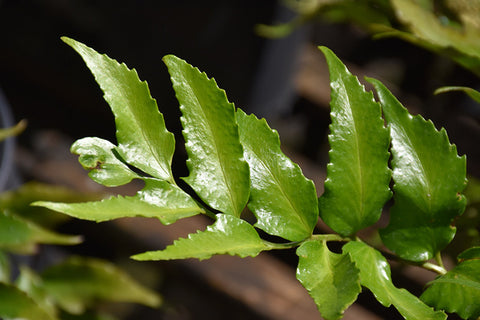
{"points": [[428, 176], [218, 172], [144, 141], [357, 185]]}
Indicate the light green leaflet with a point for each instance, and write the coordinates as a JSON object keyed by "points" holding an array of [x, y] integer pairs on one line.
{"points": [[78, 282], [472, 93], [20, 235], [282, 199], [457, 291], [158, 199], [143, 139], [16, 304], [228, 235], [218, 172], [356, 188], [97, 155], [428, 27], [375, 275], [331, 279], [428, 176]]}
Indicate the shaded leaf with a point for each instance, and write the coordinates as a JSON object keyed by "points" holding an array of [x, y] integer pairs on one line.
{"points": [[358, 176], [31, 283], [13, 131], [282, 199], [16, 304], [228, 235], [218, 172], [331, 279], [458, 291], [470, 254], [21, 236], [158, 199], [5, 268], [97, 155], [19, 200], [375, 275], [472, 93], [143, 139], [428, 176], [79, 282]]}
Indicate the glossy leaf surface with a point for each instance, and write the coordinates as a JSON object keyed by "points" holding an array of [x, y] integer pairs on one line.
{"points": [[282, 199], [331, 279], [228, 235], [97, 155], [428, 176], [21, 236], [458, 291], [358, 176], [143, 139], [78, 282], [218, 172], [375, 275], [16, 304], [158, 199]]}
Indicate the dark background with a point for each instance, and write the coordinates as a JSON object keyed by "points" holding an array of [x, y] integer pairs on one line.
{"points": [[47, 83]]}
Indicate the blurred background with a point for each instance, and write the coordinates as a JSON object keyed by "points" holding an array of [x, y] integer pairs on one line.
{"points": [[284, 80]]}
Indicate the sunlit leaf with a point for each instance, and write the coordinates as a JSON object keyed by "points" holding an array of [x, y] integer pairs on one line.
{"points": [[428, 176], [79, 282], [228, 235], [21, 236], [143, 139], [218, 172], [331, 279], [282, 199], [458, 291], [158, 199], [358, 176], [97, 155], [375, 275]]}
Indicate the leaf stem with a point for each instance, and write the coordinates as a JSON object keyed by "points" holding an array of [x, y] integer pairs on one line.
{"points": [[438, 258], [433, 267]]}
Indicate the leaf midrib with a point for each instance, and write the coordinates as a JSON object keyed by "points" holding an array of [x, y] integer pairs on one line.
{"points": [[279, 186]]}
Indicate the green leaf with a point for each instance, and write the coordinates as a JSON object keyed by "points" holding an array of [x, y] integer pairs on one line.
{"points": [[13, 131], [428, 176], [31, 283], [228, 235], [158, 199], [16, 304], [218, 172], [458, 291], [97, 155], [472, 93], [425, 25], [79, 282], [282, 199], [19, 200], [331, 279], [358, 176], [21, 236], [470, 254], [5, 268], [375, 275], [143, 139]]}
